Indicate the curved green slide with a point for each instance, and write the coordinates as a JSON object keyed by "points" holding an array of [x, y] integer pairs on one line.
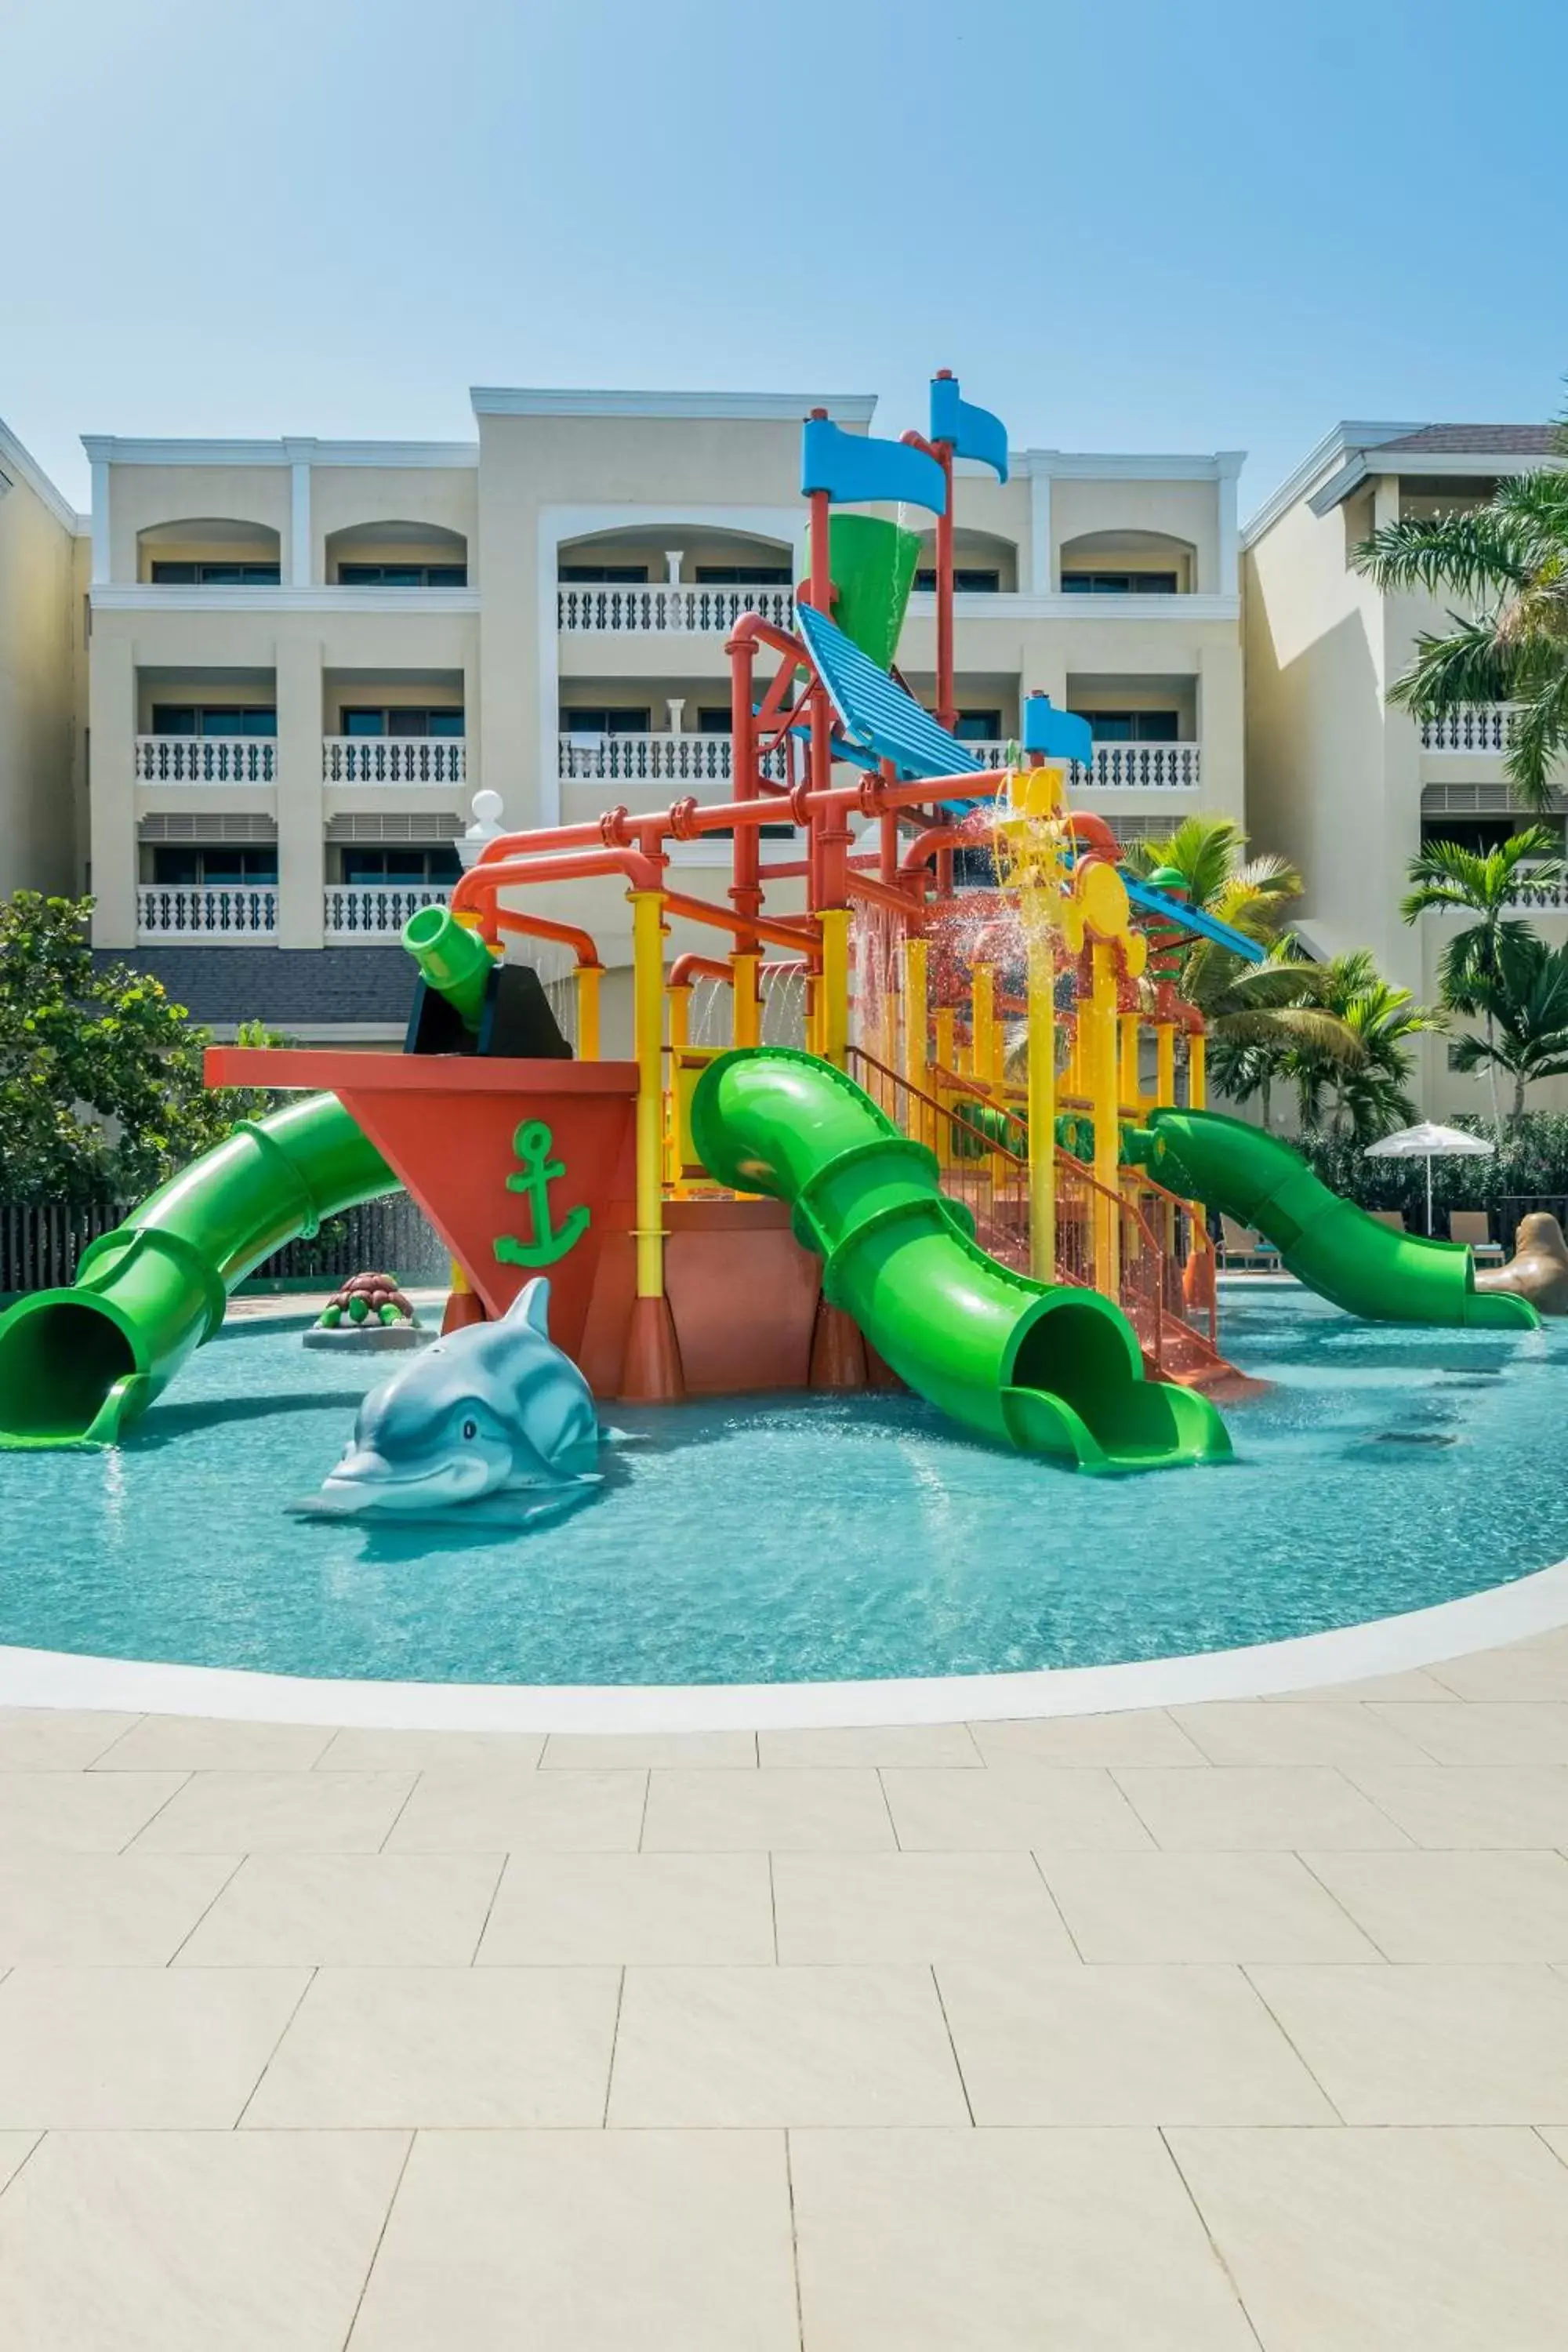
{"points": [[1325, 1241], [77, 1364], [1047, 1369]]}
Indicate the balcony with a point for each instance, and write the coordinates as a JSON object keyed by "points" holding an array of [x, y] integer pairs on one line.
{"points": [[377, 911], [652, 760], [667, 608], [209, 914], [394, 759], [1124, 767], [1483, 728], [206, 760]]}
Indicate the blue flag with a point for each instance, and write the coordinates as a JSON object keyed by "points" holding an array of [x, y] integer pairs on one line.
{"points": [[855, 470], [974, 432]]}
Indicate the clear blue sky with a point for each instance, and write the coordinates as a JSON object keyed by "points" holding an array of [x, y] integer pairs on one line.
{"points": [[1127, 225]]}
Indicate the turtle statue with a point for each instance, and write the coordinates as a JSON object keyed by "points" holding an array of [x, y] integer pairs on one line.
{"points": [[1538, 1270], [369, 1312]]}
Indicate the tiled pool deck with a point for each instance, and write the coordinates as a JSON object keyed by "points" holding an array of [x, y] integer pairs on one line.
{"points": [[1236, 2024]]}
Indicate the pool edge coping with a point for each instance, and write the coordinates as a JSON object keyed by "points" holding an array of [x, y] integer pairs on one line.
{"points": [[1501, 1613]]}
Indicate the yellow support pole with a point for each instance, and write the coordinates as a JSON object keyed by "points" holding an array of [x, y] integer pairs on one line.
{"points": [[985, 1048], [1197, 1071], [917, 1065], [942, 1023], [1101, 1073], [745, 1020], [1042, 1100], [648, 1028], [1165, 1062], [1128, 1023], [679, 1003], [833, 987], [589, 975]]}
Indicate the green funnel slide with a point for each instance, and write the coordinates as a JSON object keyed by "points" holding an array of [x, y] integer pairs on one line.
{"points": [[1325, 1241], [1041, 1366], [77, 1364]]}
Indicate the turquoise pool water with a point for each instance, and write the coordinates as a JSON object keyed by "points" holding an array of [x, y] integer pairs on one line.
{"points": [[803, 1538]]}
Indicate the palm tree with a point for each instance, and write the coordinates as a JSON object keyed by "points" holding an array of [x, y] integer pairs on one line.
{"points": [[1526, 1007], [1372, 1099], [1486, 884], [1509, 557]]}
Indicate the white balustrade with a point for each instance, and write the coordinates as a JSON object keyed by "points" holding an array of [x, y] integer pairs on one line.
{"points": [[1547, 897], [394, 759], [652, 759], [1480, 727], [377, 910], [207, 759], [666, 607], [214, 913], [1123, 766]]}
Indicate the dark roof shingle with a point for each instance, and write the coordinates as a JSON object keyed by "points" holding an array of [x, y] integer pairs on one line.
{"points": [[1482, 440]]}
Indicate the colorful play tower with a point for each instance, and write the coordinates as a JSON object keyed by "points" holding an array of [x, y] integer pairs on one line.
{"points": [[964, 1172]]}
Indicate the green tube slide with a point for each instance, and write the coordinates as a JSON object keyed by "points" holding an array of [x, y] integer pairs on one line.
{"points": [[1325, 1241], [75, 1365], [1045, 1368]]}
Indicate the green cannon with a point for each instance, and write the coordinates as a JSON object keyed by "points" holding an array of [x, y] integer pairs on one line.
{"points": [[453, 961]]}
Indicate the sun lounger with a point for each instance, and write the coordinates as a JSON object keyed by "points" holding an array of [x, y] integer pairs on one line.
{"points": [[1393, 1218], [1240, 1247], [1473, 1227]]}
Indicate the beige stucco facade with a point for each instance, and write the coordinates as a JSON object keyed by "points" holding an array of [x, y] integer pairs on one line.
{"points": [[1340, 778], [43, 621]]}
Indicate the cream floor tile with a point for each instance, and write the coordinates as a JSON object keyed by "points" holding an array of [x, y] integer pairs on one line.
{"points": [[525, 1813], [348, 1910], [1200, 1906], [184, 2241], [635, 1750], [450, 2048], [1329, 1731], [699, 2047], [1004, 2241], [892, 1743], [827, 1811], [1434, 2045], [278, 1813], [16, 2147], [138, 2048], [189, 1743], [55, 1739], [1059, 2045], [1452, 1907], [587, 2242], [1387, 2240], [1256, 1807], [360, 1751], [1472, 1805], [108, 1910], [839, 1907], [1147, 1737], [1556, 2139], [1419, 1683], [1045, 1806], [571, 1908], [1534, 1670], [77, 1812], [1482, 1732]]}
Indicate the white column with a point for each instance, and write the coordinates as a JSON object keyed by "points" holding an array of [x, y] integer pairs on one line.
{"points": [[672, 556], [1228, 583], [301, 826], [101, 539], [1040, 581], [111, 805], [1384, 501], [299, 525], [676, 705]]}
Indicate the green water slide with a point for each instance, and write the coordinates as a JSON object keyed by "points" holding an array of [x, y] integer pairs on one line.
{"points": [[1045, 1368], [77, 1364], [1325, 1241]]}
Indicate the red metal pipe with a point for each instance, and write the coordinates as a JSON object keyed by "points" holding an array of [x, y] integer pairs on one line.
{"points": [[883, 893], [479, 886], [687, 966], [539, 927], [780, 929]]}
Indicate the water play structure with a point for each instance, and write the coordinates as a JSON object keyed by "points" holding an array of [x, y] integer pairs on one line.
{"points": [[982, 1173]]}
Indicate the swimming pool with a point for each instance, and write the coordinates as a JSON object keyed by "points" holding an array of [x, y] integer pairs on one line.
{"points": [[803, 1538]]}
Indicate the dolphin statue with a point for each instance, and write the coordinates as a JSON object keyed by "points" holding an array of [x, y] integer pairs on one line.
{"points": [[487, 1410]]}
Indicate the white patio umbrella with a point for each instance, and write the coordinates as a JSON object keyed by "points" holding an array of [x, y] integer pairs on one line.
{"points": [[1429, 1142]]}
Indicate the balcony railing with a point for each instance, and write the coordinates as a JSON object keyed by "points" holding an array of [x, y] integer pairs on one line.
{"points": [[394, 759], [215, 913], [376, 910], [667, 607], [652, 759], [1482, 727], [1124, 767], [207, 759]]}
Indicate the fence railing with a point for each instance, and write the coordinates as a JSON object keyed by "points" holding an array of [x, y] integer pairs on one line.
{"points": [[394, 759], [1123, 766], [666, 606], [42, 1246], [652, 759], [211, 912], [370, 911], [206, 760], [1480, 727]]}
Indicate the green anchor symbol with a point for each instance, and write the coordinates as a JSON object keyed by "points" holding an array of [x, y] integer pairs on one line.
{"points": [[531, 1144]]}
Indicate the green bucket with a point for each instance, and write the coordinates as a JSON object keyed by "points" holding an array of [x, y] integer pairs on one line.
{"points": [[873, 566]]}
